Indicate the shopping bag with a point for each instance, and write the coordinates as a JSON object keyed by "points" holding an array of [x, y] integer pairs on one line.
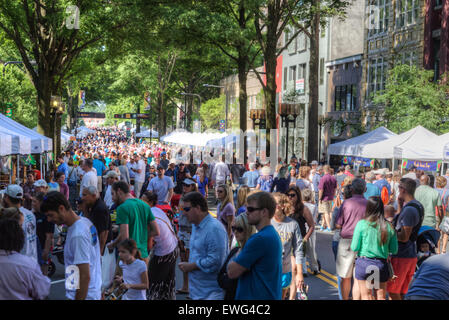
{"points": [[108, 264]]}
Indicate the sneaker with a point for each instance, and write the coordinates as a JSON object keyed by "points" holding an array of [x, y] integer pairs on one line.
{"points": [[321, 228], [328, 230]]}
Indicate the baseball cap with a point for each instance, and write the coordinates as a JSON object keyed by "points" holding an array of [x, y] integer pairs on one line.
{"points": [[188, 181], [314, 162], [111, 174], [41, 183], [160, 167], [14, 191]]}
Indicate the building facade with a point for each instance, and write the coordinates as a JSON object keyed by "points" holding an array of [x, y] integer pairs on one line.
{"points": [[436, 37], [295, 89], [344, 72]]}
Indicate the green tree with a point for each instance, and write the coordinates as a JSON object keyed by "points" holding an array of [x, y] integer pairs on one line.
{"points": [[212, 111], [411, 98]]}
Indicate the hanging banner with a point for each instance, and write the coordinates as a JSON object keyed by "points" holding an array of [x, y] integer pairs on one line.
{"points": [[422, 165], [147, 99], [363, 162], [30, 160], [82, 99]]}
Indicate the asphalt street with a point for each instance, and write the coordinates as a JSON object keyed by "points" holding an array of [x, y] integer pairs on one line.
{"points": [[321, 287]]}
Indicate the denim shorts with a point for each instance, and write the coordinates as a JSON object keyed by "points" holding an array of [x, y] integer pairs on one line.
{"points": [[286, 280], [364, 267]]}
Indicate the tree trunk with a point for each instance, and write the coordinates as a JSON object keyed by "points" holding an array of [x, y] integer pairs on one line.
{"points": [[243, 101], [312, 149], [270, 90]]}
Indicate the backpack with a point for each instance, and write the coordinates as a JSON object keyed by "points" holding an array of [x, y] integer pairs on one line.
{"points": [[415, 230], [384, 196]]}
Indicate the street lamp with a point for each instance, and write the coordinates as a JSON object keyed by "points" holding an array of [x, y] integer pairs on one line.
{"points": [[285, 111], [227, 100], [258, 114], [57, 108]]}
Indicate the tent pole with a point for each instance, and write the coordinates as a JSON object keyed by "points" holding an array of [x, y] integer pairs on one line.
{"points": [[40, 162], [393, 164], [18, 169], [10, 169]]}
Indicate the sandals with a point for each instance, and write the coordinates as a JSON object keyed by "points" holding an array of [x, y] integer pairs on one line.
{"points": [[179, 291]]}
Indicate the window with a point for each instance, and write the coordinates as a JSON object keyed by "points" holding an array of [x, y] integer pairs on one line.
{"points": [[285, 78], [377, 71], [379, 18], [407, 12], [302, 42], [321, 71], [291, 49], [345, 98]]}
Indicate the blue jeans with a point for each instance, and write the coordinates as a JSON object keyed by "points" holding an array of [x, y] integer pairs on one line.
{"points": [[334, 250]]}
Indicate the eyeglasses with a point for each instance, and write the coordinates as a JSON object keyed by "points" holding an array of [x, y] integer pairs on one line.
{"points": [[291, 195], [186, 209], [251, 209], [237, 229]]}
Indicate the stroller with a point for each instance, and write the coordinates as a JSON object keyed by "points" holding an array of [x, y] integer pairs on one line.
{"points": [[428, 235]]}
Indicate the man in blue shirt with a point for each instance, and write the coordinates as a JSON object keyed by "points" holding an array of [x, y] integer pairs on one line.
{"points": [[371, 189], [208, 249], [162, 186], [258, 267], [100, 167], [381, 181], [63, 167], [250, 177]]}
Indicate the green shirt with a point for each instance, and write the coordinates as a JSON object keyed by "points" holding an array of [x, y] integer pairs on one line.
{"points": [[366, 241], [137, 215], [429, 198]]}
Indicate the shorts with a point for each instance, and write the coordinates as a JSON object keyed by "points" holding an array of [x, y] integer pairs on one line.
{"points": [[325, 207], [345, 258], [364, 268], [286, 280], [404, 268]]}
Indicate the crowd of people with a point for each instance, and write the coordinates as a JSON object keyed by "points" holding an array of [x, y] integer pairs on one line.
{"points": [[135, 200]]}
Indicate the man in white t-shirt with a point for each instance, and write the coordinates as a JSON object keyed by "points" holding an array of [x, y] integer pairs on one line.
{"points": [[221, 171], [90, 176], [110, 178], [139, 170], [13, 198], [81, 249]]}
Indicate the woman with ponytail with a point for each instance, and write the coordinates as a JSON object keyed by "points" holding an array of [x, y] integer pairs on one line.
{"points": [[135, 276], [374, 240]]}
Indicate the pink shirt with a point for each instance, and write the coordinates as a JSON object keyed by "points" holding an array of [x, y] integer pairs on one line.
{"points": [[351, 211]]}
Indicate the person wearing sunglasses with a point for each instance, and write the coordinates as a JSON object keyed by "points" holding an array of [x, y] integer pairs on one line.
{"points": [[208, 249], [226, 209], [258, 267], [242, 231]]}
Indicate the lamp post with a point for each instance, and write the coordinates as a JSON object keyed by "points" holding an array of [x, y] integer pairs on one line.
{"points": [[285, 111], [58, 109], [227, 100], [258, 114]]}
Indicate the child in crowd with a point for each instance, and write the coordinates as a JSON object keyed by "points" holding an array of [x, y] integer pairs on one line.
{"points": [[135, 275], [424, 250], [389, 212]]}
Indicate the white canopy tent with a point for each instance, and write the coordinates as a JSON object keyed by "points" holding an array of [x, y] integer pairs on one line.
{"points": [[423, 145], [65, 136], [13, 143], [39, 143], [191, 139], [353, 146], [385, 149], [148, 133]]}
